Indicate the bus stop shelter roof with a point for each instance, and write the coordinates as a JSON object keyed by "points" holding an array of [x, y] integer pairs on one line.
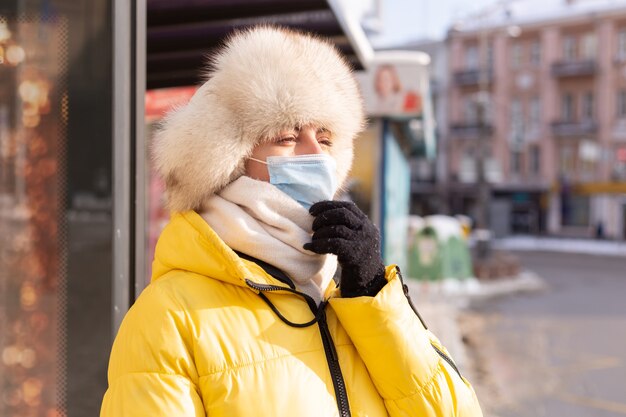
{"points": [[182, 33]]}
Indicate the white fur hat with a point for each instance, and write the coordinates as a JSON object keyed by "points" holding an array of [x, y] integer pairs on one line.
{"points": [[263, 81]]}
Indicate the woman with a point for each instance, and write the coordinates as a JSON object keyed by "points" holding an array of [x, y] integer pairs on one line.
{"points": [[242, 317]]}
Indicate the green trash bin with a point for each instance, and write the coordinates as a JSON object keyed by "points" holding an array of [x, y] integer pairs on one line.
{"points": [[439, 251], [425, 256], [456, 261]]}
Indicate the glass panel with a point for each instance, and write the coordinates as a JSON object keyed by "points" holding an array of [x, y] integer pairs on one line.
{"points": [[55, 206], [397, 185]]}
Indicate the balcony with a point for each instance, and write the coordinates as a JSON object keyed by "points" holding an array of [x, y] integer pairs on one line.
{"points": [[471, 77], [572, 128], [465, 130], [578, 68]]}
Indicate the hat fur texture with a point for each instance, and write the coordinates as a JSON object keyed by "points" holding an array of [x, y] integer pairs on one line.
{"points": [[263, 81]]}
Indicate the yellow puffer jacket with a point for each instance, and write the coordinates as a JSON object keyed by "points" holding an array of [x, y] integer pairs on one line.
{"points": [[215, 335]]}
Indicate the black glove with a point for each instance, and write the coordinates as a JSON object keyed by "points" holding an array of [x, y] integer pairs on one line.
{"points": [[344, 230]]}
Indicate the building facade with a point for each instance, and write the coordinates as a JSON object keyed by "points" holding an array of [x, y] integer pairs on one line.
{"points": [[544, 102]]}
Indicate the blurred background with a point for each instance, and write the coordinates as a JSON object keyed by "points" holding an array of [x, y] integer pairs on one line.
{"points": [[494, 164]]}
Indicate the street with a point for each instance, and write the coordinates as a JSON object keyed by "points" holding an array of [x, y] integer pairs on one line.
{"points": [[561, 352]]}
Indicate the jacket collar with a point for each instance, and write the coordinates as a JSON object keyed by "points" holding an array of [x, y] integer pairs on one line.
{"points": [[188, 243]]}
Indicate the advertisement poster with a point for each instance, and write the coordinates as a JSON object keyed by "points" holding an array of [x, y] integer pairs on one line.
{"points": [[393, 90], [396, 86]]}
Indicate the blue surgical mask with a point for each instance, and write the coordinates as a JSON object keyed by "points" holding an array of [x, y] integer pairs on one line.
{"points": [[305, 178]]}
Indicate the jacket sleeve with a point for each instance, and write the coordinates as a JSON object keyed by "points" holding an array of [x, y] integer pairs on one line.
{"points": [[151, 369], [410, 369]]}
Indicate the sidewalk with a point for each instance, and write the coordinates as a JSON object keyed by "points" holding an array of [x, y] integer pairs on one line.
{"points": [[441, 305], [555, 244]]}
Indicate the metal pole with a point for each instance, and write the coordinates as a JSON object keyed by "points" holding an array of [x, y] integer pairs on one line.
{"points": [[141, 151], [125, 90]]}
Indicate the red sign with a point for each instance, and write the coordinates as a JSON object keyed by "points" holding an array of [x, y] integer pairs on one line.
{"points": [[159, 102]]}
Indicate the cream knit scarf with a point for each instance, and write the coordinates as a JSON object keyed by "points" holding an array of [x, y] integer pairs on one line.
{"points": [[256, 218]]}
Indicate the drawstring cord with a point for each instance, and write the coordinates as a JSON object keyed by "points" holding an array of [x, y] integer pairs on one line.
{"points": [[318, 316], [320, 311]]}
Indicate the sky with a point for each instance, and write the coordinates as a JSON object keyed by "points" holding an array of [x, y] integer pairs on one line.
{"points": [[410, 20], [407, 20]]}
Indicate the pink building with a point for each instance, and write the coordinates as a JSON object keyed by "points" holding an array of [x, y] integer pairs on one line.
{"points": [[554, 131]]}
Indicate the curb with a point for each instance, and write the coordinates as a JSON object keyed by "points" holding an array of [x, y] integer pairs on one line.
{"points": [[580, 246]]}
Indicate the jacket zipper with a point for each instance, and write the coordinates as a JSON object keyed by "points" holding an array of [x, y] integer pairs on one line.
{"points": [[332, 358], [447, 359], [335, 370], [441, 353]]}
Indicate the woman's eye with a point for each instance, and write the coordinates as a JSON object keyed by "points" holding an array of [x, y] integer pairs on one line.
{"points": [[287, 139], [325, 141]]}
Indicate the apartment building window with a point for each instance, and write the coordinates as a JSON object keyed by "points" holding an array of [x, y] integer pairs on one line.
{"points": [[471, 57], [535, 53], [588, 168], [619, 166], [489, 56], [516, 162], [621, 45], [535, 112], [516, 110], [566, 161], [470, 115], [575, 210], [567, 107], [589, 153], [516, 55], [517, 121], [569, 48], [587, 106], [621, 104], [535, 159], [588, 45]]}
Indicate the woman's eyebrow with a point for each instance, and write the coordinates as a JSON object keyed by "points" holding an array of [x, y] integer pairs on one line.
{"points": [[323, 130]]}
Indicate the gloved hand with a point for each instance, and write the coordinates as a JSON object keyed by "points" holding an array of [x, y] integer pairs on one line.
{"points": [[344, 230]]}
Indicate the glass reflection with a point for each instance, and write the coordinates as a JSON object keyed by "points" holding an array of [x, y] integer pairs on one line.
{"points": [[32, 147]]}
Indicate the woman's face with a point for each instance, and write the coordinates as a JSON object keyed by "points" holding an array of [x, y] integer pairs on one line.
{"points": [[304, 141], [385, 82]]}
